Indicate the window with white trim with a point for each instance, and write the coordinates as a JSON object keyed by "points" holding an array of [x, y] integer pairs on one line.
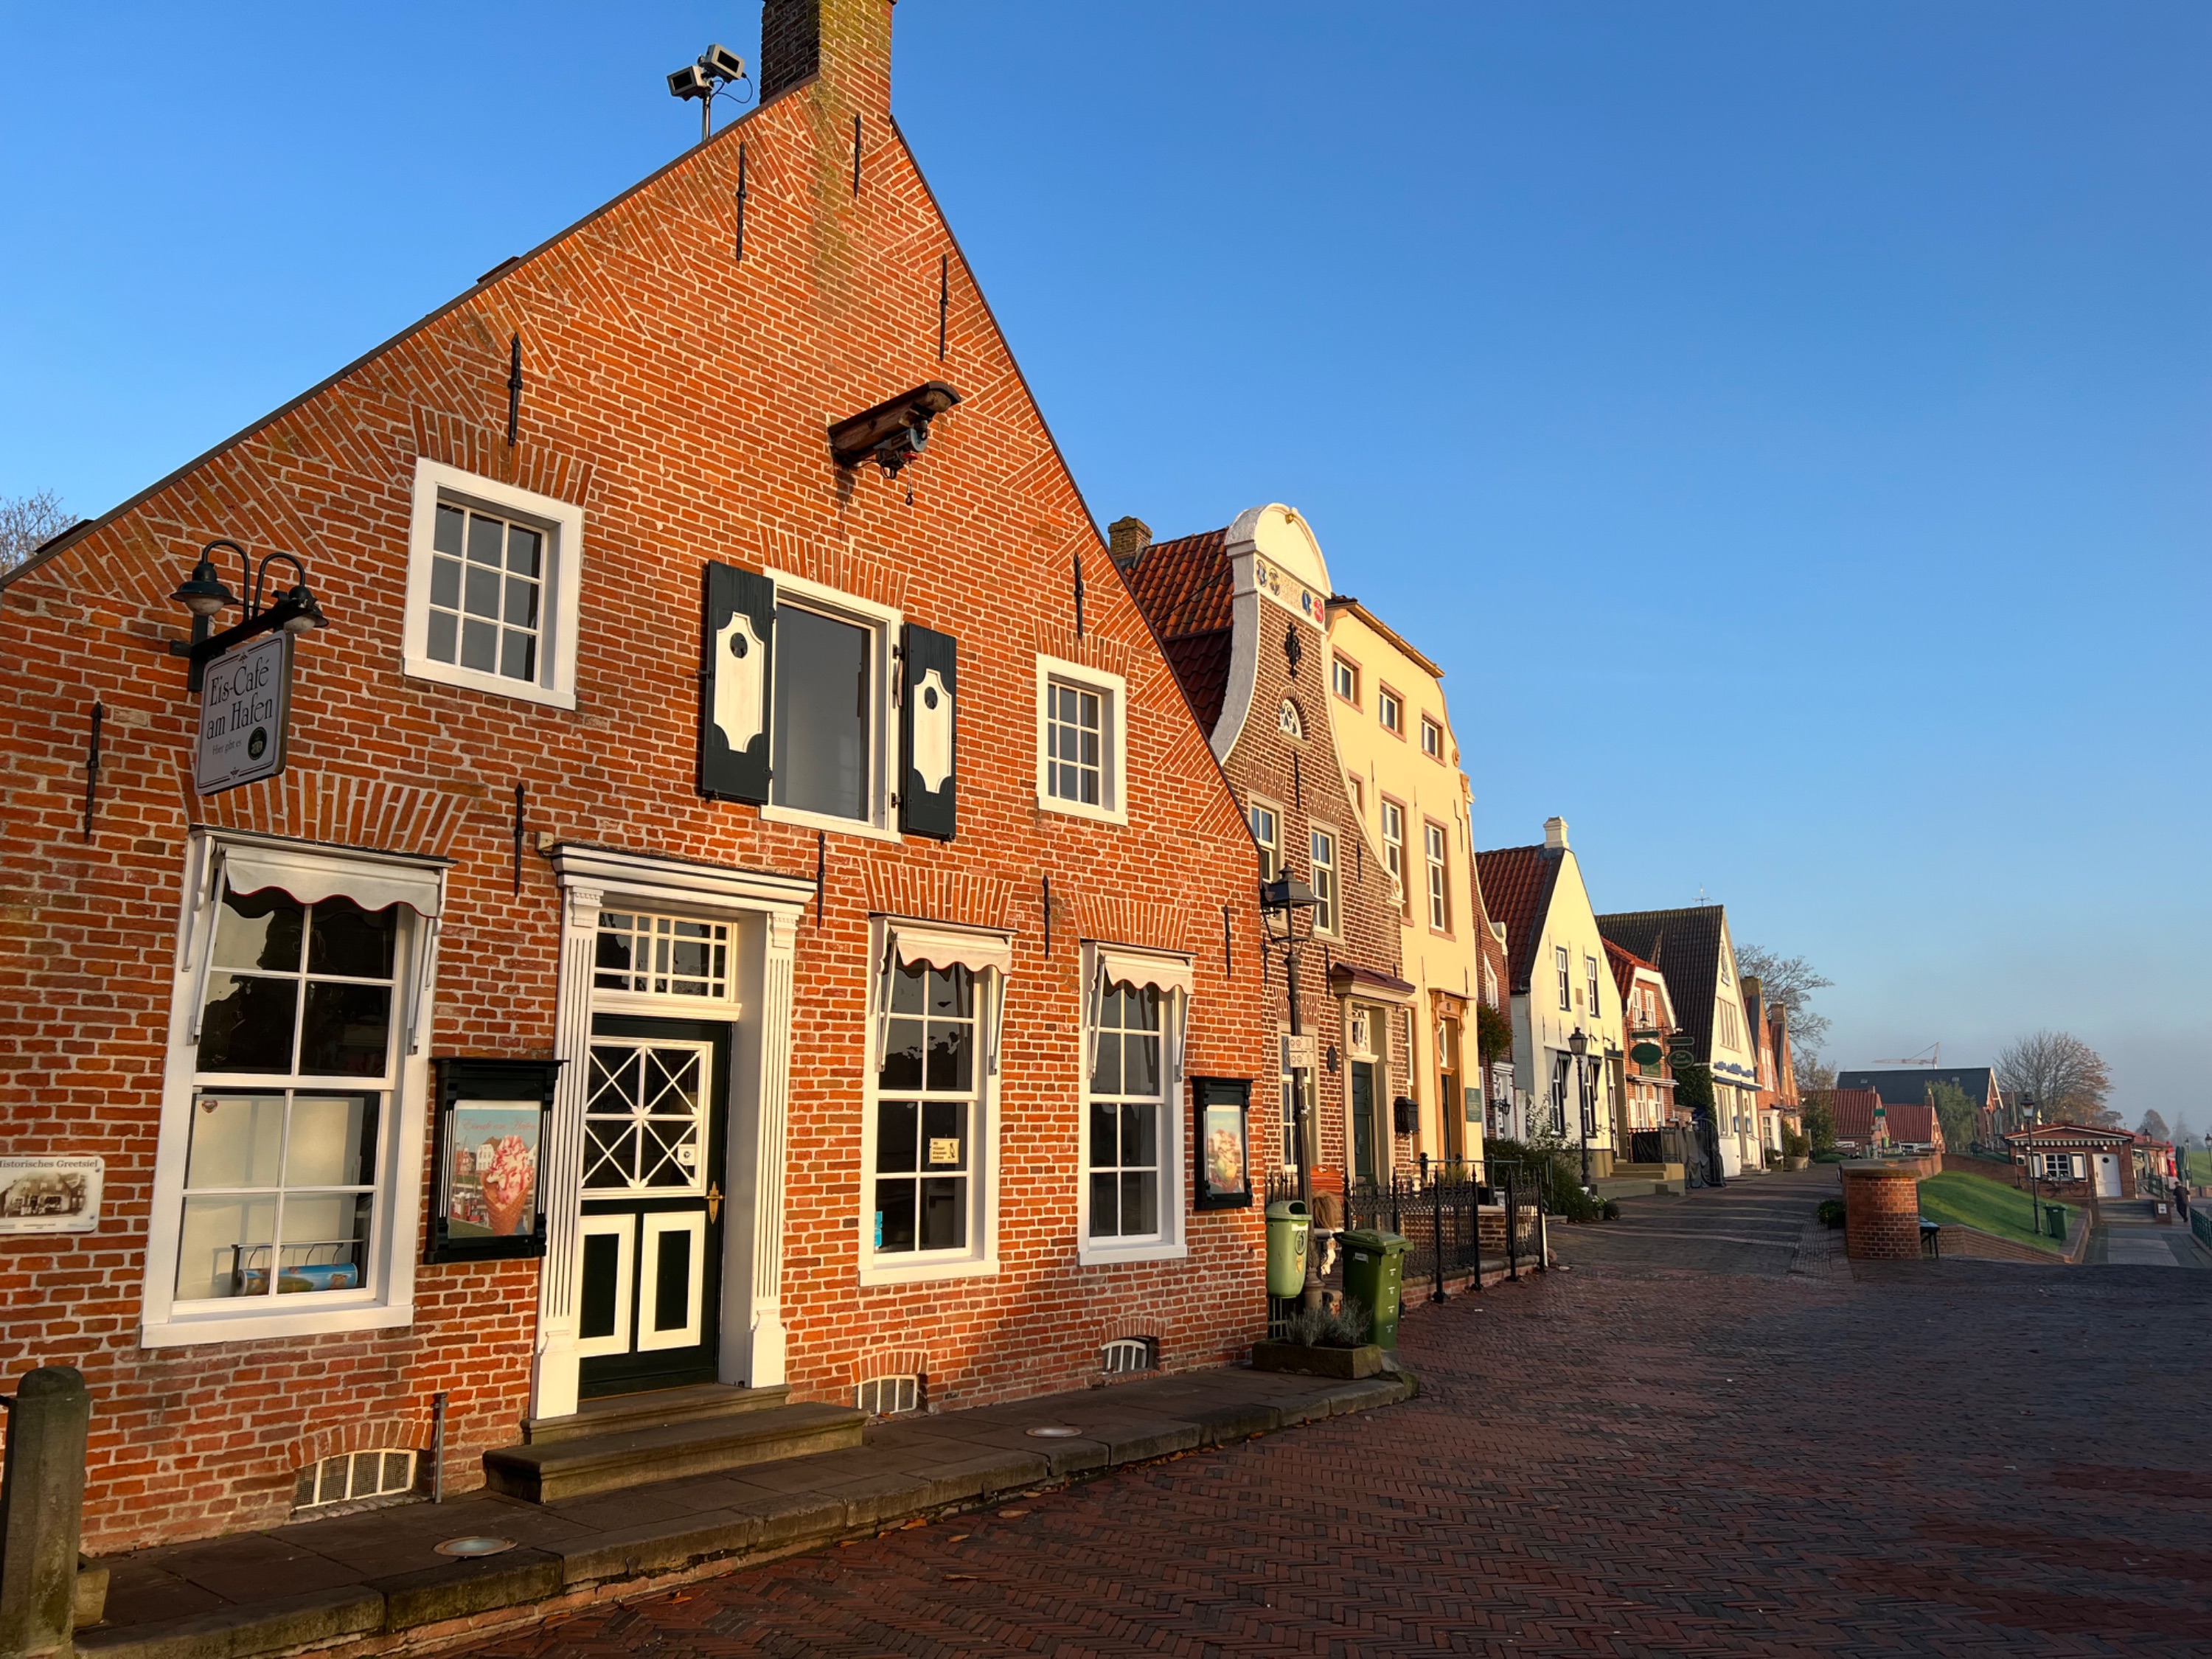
{"points": [[1126, 1135], [1267, 830], [1287, 1095], [1390, 711], [1589, 972], [1125, 1354], [1394, 851], [1566, 979], [492, 584], [1345, 678], [1439, 878], [827, 728], [354, 1479], [662, 955], [1081, 723], [1324, 853], [1433, 738], [888, 1396], [927, 1085]]}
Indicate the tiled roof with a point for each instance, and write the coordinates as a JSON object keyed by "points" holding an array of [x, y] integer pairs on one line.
{"points": [[1909, 1084], [1183, 585], [2070, 1134], [1854, 1111], [1184, 589], [1685, 946], [1201, 662], [1624, 963], [1914, 1123], [1517, 888]]}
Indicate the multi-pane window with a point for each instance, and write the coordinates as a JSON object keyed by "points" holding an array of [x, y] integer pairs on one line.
{"points": [[1566, 981], [1128, 1092], [662, 955], [354, 1478], [295, 1054], [2058, 1166], [1433, 738], [1075, 751], [1393, 849], [925, 1111], [487, 592], [1267, 830], [824, 714], [1324, 881], [1358, 796], [1390, 711], [888, 1396], [1346, 678], [1589, 972], [1731, 1026], [1439, 891], [1289, 1097]]}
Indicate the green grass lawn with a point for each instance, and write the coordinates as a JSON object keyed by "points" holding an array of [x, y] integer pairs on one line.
{"points": [[2196, 1164], [1972, 1201]]}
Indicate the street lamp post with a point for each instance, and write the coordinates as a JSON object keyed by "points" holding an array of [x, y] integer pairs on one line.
{"points": [[1578, 1046], [1280, 900]]}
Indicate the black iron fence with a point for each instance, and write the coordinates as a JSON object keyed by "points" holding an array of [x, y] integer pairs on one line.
{"points": [[1456, 1225]]}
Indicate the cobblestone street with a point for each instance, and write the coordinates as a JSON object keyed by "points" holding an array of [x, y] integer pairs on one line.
{"points": [[1628, 1458]]}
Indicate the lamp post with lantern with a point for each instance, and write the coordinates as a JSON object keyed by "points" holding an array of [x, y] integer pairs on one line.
{"points": [[207, 596], [1578, 1046], [1280, 902]]}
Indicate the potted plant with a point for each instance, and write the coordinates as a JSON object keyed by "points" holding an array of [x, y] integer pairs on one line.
{"points": [[1323, 1341]]}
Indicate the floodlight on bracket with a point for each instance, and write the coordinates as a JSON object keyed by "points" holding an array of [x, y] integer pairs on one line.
{"points": [[894, 432], [710, 76]]}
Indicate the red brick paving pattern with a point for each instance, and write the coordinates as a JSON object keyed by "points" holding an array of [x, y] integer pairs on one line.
{"points": [[1979, 1459]]}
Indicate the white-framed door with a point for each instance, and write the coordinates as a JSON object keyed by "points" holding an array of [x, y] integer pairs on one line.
{"points": [[2108, 1175]]}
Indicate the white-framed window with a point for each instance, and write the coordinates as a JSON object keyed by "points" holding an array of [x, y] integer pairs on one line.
{"points": [[888, 1396], [1125, 1354], [1358, 796], [1391, 711], [1132, 1206], [1082, 724], [1394, 851], [1344, 677], [353, 1477], [1288, 722], [1731, 1026], [1589, 972], [1435, 845], [642, 954], [2058, 1166], [493, 576], [1287, 1095], [1433, 738], [930, 1130], [1267, 830], [292, 1095], [1324, 852], [832, 727], [1566, 979]]}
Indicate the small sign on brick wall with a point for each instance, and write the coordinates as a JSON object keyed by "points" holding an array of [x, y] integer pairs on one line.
{"points": [[246, 715], [50, 1194]]}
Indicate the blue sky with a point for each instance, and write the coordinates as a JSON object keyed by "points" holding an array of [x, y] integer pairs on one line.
{"points": [[1787, 423]]}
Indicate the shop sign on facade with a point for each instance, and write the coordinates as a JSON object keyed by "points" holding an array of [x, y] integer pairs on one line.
{"points": [[246, 715]]}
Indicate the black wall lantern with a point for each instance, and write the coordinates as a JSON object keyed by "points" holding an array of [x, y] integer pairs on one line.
{"points": [[206, 596]]}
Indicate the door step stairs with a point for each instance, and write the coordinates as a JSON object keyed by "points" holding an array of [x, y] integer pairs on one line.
{"points": [[633, 1440]]}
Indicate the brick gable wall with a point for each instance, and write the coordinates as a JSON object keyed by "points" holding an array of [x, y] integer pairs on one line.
{"points": [[680, 397]]}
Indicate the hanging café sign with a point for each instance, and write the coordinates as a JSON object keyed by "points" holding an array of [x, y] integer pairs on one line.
{"points": [[243, 674]]}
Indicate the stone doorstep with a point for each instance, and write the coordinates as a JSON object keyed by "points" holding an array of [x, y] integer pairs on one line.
{"points": [[912, 1469], [550, 1471]]}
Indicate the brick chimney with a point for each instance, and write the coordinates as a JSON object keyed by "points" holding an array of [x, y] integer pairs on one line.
{"points": [[849, 41], [1127, 538], [1555, 833]]}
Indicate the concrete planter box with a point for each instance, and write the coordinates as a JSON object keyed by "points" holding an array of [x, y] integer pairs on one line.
{"points": [[1793, 1163], [1350, 1363]]}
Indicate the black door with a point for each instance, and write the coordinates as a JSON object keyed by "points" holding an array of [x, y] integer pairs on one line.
{"points": [[1362, 1121], [649, 1262]]}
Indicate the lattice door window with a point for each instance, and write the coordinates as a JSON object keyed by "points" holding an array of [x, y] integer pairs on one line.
{"points": [[645, 1123]]}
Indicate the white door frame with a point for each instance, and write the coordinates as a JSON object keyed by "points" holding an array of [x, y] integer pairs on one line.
{"points": [[2107, 1161], [764, 910]]}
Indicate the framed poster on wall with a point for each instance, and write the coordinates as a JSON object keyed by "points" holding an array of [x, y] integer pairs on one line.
{"points": [[488, 1200], [1221, 1108]]}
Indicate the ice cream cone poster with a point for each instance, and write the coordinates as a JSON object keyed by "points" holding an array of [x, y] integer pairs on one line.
{"points": [[493, 1156]]}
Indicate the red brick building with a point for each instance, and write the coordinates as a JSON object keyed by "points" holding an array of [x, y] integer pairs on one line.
{"points": [[1242, 614], [870, 881]]}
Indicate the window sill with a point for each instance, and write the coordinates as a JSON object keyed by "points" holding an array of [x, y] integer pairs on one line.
{"points": [[877, 1272], [1089, 1252], [774, 814], [1071, 809], [495, 685], [193, 1330]]}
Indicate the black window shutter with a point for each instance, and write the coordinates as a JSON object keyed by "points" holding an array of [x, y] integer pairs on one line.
{"points": [[928, 734], [737, 683]]}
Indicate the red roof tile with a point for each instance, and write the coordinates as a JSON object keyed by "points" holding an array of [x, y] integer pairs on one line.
{"points": [[1517, 888], [1854, 1109], [1201, 662], [1183, 585], [1914, 1123], [1625, 963]]}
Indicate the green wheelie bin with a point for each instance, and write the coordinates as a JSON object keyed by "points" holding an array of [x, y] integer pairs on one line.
{"points": [[1289, 1229], [1374, 1265]]}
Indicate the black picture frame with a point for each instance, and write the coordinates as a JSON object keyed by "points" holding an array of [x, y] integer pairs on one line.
{"points": [[1221, 1143], [506, 1105]]}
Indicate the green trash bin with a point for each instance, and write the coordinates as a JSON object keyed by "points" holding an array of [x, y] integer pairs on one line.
{"points": [[2054, 1220], [1288, 1228], [1374, 1265]]}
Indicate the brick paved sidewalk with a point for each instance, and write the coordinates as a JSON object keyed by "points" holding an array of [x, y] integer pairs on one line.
{"points": [[1955, 1458]]}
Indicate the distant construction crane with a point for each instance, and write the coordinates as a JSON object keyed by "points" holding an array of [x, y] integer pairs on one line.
{"points": [[1929, 1056]]}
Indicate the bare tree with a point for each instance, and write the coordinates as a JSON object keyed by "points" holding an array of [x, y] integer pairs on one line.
{"points": [[2068, 1079], [26, 523], [1813, 1071], [1789, 982]]}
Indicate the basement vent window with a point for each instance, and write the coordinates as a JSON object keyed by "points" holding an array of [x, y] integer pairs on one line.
{"points": [[1129, 1353], [889, 1396], [354, 1478]]}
